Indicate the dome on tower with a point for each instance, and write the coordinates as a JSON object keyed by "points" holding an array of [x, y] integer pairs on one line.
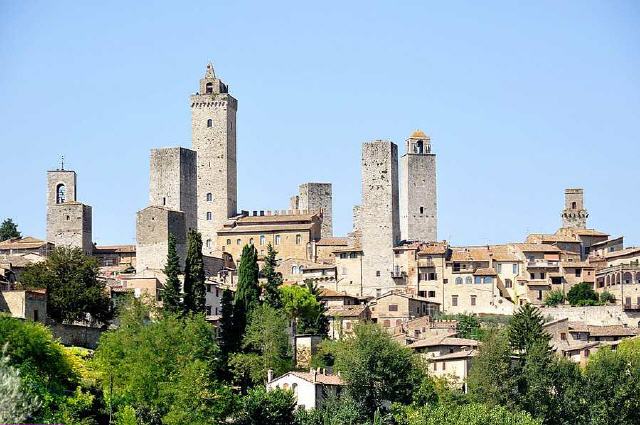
{"points": [[418, 134]]}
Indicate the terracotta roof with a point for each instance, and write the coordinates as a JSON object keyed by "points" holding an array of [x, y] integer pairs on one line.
{"points": [[320, 378], [453, 356], [580, 232], [354, 248], [327, 292], [623, 252], [570, 264], [345, 311], [266, 228], [432, 249], [540, 237], [333, 242], [115, 248], [488, 271], [608, 241], [418, 134], [444, 340], [28, 242], [536, 247], [614, 330]]}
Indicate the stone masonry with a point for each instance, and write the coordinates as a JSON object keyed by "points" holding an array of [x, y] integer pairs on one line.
{"points": [[172, 181], [69, 223], [379, 214], [213, 125], [154, 224], [316, 197], [574, 214], [418, 198]]}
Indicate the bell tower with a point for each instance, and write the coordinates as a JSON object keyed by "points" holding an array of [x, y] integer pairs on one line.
{"points": [[213, 127]]}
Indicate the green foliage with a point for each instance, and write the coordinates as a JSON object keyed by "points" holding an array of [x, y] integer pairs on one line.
{"points": [[229, 340], [607, 297], [468, 414], [260, 407], [126, 416], [171, 292], [468, 326], [554, 298], [526, 328], [8, 230], [166, 370], [194, 287], [376, 368], [73, 288], [274, 279], [582, 294], [15, 405], [247, 292], [316, 323], [334, 411], [301, 305]]}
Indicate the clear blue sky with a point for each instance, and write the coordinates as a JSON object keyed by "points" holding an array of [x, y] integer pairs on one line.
{"points": [[521, 99]]}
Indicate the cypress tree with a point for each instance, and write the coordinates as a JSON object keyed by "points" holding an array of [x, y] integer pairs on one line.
{"points": [[171, 290], [194, 287], [248, 292], [274, 279], [229, 339]]}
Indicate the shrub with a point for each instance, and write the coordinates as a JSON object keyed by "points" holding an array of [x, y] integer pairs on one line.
{"points": [[582, 294], [607, 297], [554, 298]]}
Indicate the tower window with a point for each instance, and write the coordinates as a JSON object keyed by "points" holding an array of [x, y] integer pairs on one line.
{"points": [[68, 217], [298, 239], [277, 240], [209, 215], [209, 88], [164, 201], [209, 197], [574, 205], [61, 194], [209, 122], [238, 241], [262, 240]]}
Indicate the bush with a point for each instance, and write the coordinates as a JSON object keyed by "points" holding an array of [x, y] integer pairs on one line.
{"points": [[554, 298], [262, 407], [582, 294], [607, 297]]}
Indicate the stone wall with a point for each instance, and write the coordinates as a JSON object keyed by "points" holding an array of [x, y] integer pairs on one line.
{"points": [[594, 315], [173, 180], [379, 214], [153, 226], [76, 335], [314, 197], [70, 224]]}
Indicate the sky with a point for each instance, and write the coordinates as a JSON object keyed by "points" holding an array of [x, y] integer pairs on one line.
{"points": [[521, 100]]}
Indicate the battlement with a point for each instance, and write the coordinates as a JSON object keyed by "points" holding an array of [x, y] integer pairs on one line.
{"points": [[267, 213], [213, 100]]}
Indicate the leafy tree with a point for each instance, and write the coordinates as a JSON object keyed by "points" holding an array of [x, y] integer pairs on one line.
{"points": [[15, 405], [582, 293], [274, 279], [194, 286], [341, 410], [607, 297], [301, 305], [8, 230], [376, 369], [526, 328], [468, 326], [229, 340], [316, 322], [262, 407], [171, 292], [267, 343], [492, 379], [468, 414], [554, 298], [247, 295], [73, 289]]}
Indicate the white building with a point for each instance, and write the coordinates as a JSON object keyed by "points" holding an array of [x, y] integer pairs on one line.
{"points": [[309, 388]]}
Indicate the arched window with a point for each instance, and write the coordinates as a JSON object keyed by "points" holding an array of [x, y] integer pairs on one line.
{"points": [[209, 215], [458, 280], [209, 197], [277, 240], [298, 239], [209, 88], [294, 270], [209, 122], [262, 240], [638, 277], [627, 278], [238, 241], [294, 388], [468, 280], [61, 193], [608, 280], [228, 241]]}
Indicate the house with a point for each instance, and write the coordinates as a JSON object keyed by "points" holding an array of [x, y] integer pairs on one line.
{"points": [[28, 305], [26, 245], [395, 308], [442, 345], [310, 389], [331, 298], [427, 327], [454, 367], [342, 319]]}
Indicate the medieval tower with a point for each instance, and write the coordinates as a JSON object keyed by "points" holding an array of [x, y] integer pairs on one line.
{"points": [[418, 198], [213, 126], [379, 217], [314, 197], [68, 221], [574, 214]]}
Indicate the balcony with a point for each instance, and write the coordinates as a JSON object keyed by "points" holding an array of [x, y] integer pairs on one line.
{"points": [[425, 262], [398, 274], [542, 264]]}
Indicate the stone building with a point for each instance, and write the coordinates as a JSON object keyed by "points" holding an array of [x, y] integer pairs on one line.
{"points": [[25, 245], [68, 221], [316, 197], [418, 195], [154, 224], [574, 214], [172, 181], [213, 125], [28, 305], [379, 215]]}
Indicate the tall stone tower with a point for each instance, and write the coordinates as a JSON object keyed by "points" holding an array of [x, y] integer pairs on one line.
{"points": [[316, 197], [173, 180], [574, 215], [213, 126], [379, 216], [418, 197], [154, 224], [68, 221]]}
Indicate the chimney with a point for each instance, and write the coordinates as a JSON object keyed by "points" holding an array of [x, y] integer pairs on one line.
{"points": [[269, 375]]}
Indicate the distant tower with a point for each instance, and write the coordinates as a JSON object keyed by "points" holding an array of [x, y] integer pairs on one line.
{"points": [[213, 126], [418, 197], [316, 197], [173, 180], [68, 221], [154, 224], [379, 217], [574, 214]]}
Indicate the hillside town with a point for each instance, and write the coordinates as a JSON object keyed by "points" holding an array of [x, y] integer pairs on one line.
{"points": [[391, 270]]}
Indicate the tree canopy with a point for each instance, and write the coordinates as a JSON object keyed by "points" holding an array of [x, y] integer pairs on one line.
{"points": [[8, 230], [171, 298], [194, 286], [582, 294]]}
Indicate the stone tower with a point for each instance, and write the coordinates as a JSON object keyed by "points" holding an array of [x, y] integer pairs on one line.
{"points": [[379, 217], [172, 182], [68, 221], [574, 214], [154, 224], [316, 197], [418, 197], [213, 126]]}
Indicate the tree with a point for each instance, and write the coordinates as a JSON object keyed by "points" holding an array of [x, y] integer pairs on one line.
{"points": [[334, 411], [607, 297], [468, 326], [526, 328], [301, 305], [15, 405], [274, 279], [492, 379], [376, 369], [554, 298], [470, 414], [229, 340], [247, 295], [8, 230], [582, 294], [171, 292], [316, 323], [262, 407], [73, 289], [194, 287]]}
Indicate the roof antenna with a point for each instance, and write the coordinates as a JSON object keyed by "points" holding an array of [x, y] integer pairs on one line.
{"points": [[62, 163]]}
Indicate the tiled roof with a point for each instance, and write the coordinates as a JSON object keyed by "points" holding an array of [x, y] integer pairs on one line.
{"points": [[484, 253], [433, 249], [614, 330], [327, 292], [453, 356], [320, 378], [623, 252], [27, 242], [580, 232], [346, 311], [333, 242], [540, 237], [536, 247], [488, 271], [129, 249], [444, 340]]}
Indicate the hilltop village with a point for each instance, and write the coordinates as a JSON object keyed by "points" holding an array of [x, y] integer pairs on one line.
{"points": [[391, 268]]}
